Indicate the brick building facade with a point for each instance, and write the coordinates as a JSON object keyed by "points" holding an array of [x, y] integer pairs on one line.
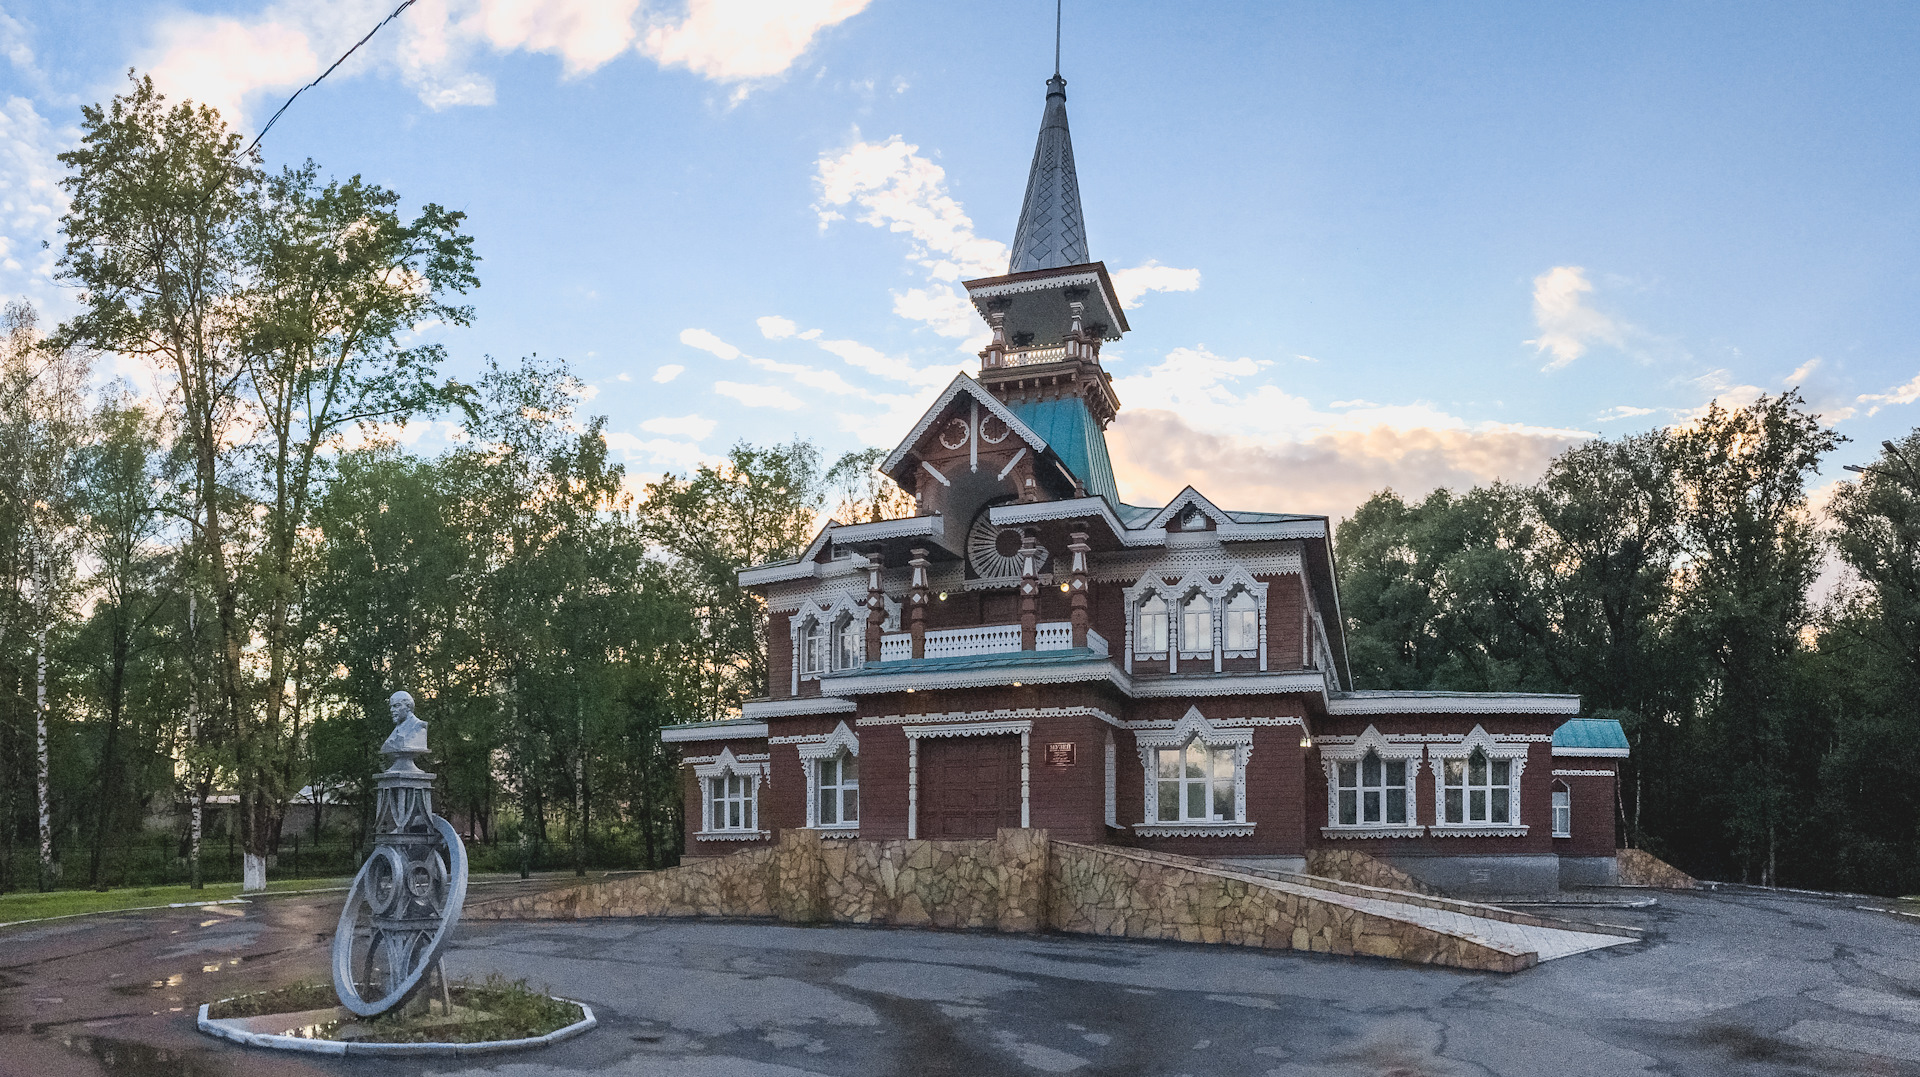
{"points": [[1028, 650]]}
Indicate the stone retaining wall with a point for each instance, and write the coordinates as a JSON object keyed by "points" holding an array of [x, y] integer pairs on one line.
{"points": [[1354, 866], [1641, 868], [1017, 881], [1106, 890]]}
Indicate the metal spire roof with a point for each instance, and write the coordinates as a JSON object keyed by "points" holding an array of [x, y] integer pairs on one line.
{"points": [[1052, 233]]}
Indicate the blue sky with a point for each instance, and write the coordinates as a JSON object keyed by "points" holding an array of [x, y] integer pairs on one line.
{"points": [[1370, 245]]}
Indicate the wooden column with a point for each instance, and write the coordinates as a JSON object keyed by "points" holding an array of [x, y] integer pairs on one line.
{"points": [[1077, 587], [917, 615], [876, 609], [1029, 591]]}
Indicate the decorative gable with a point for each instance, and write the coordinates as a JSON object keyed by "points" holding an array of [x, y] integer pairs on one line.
{"points": [[1190, 510]]}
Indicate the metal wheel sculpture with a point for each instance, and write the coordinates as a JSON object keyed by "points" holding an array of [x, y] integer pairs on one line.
{"points": [[404, 903]]}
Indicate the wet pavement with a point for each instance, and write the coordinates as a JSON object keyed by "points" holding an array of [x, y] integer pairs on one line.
{"points": [[1735, 983]]}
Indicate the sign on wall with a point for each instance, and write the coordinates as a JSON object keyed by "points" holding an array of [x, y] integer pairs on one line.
{"points": [[1060, 754]]}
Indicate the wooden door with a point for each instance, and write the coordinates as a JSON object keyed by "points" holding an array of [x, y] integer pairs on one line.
{"points": [[969, 786]]}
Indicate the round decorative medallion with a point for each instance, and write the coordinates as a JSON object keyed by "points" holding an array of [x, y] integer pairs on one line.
{"points": [[954, 434], [992, 430], [994, 552]]}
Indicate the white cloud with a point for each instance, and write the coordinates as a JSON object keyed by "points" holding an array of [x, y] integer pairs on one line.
{"points": [[1899, 394], [743, 41], [877, 362], [1801, 372], [774, 327], [434, 46], [668, 372], [1150, 276], [759, 396], [1568, 326], [31, 201], [1623, 411], [657, 452], [693, 427], [707, 342], [943, 309], [1192, 419]]}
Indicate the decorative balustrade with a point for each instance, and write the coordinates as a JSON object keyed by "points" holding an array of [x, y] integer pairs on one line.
{"points": [[986, 639], [1034, 356]]}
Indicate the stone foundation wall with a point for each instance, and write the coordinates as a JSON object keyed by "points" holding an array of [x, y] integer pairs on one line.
{"points": [[1131, 893], [1354, 866], [736, 885], [1641, 868]]}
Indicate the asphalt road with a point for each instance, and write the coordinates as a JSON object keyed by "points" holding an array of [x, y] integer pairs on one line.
{"points": [[1734, 983]]}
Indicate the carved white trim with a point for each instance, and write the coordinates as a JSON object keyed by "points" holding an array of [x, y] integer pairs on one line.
{"points": [[754, 768], [713, 731], [828, 745], [1375, 831], [1194, 579], [1442, 738], [1112, 783], [967, 729], [1092, 669], [1591, 753], [731, 835], [828, 608], [1193, 726], [1512, 749], [1201, 685], [1193, 830], [796, 706], [1452, 703], [698, 761], [1584, 774], [1456, 830], [726, 762], [1221, 723], [1337, 750], [961, 383], [1003, 714]]}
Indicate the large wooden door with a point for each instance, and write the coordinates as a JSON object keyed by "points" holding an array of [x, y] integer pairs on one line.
{"points": [[969, 786]]}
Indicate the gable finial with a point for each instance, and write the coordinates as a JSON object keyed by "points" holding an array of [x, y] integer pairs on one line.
{"points": [[1056, 38]]}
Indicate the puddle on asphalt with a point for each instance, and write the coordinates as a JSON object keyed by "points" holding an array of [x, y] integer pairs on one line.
{"points": [[124, 1058]]}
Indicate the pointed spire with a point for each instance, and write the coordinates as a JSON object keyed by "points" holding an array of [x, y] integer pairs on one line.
{"points": [[1052, 233]]}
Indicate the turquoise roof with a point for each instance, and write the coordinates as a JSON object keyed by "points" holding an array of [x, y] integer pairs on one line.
{"points": [[1076, 439], [1590, 733], [999, 660]]}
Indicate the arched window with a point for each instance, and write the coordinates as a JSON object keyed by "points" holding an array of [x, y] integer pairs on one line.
{"points": [[1152, 636], [1562, 810], [1373, 790], [813, 646], [1243, 622], [1196, 624], [838, 782], [1195, 784], [849, 642], [1479, 790]]}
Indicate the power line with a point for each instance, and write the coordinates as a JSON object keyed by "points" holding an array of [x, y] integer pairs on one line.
{"points": [[405, 4]]}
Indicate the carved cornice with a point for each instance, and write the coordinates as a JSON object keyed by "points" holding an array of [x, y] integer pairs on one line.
{"points": [[1372, 831], [967, 729], [1460, 830], [1193, 830]]}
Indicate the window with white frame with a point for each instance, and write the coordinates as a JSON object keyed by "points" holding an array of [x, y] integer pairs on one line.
{"points": [[813, 646], [1562, 810], [1195, 784], [849, 642], [731, 803], [1478, 790], [1373, 791], [837, 790], [1242, 627], [1196, 624], [1152, 635]]}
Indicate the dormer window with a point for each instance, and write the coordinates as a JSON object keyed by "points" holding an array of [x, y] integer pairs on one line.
{"points": [[1194, 520], [1242, 628], [1152, 637]]}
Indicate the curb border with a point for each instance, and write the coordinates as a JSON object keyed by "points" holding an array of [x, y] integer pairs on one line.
{"points": [[222, 1028]]}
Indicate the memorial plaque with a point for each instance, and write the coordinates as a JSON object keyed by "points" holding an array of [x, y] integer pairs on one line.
{"points": [[1060, 754]]}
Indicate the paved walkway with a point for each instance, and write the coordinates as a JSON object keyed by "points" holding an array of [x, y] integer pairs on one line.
{"points": [[1742, 984]]}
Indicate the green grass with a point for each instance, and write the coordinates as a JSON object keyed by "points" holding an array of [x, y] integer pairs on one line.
{"points": [[32, 905], [511, 1011]]}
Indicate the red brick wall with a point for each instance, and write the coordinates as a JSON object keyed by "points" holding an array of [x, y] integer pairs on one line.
{"points": [[1593, 815], [883, 782], [779, 647], [1284, 602], [1069, 801]]}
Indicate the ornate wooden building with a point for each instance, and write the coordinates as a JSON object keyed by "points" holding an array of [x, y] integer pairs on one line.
{"points": [[1029, 650]]}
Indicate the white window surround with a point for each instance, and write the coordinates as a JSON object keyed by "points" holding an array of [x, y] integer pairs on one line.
{"points": [[1562, 810], [1438, 753], [914, 734], [825, 612], [752, 768], [1191, 727], [1113, 783], [1195, 579], [812, 751], [1333, 752]]}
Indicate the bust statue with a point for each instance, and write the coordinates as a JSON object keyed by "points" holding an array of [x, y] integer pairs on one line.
{"points": [[409, 736]]}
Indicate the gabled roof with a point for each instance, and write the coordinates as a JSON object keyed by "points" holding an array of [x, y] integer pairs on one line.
{"points": [[961, 383], [1052, 232], [1076, 439]]}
